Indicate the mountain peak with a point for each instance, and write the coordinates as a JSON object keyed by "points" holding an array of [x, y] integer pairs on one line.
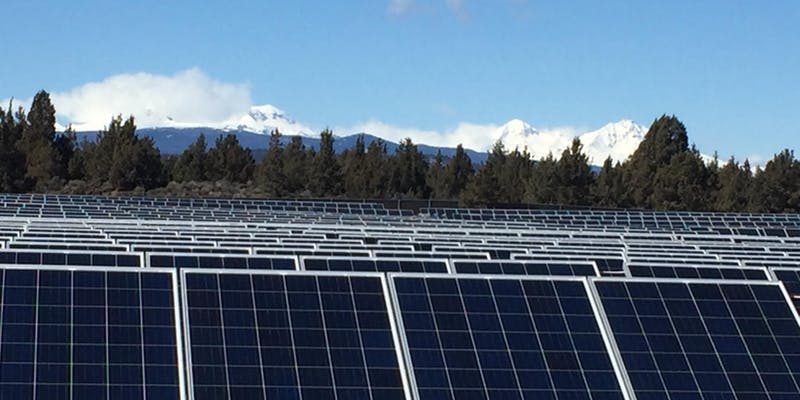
{"points": [[264, 119], [517, 124], [514, 133], [266, 112], [616, 139]]}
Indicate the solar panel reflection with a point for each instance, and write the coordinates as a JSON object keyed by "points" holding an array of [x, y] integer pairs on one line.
{"points": [[290, 336], [707, 339], [503, 338], [88, 334]]}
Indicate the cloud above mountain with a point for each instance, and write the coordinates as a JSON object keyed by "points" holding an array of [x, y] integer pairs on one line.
{"points": [[189, 96], [480, 137], [190, 99]]}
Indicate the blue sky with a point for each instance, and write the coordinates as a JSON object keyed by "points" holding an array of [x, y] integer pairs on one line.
{"points": [[728, 69]]}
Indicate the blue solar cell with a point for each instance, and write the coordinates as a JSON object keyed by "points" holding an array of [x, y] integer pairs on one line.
{"points": [[503, 338], [290, 336], [791, 280], [553, 268], [310, 252], [70, 258], [696, 272], [374, 265], [605, 264], [432, 254], [88, 334], [225, 261], [695, 340]]}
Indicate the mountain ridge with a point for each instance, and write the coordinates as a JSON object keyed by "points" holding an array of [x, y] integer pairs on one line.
{"points": [[616, 139]]}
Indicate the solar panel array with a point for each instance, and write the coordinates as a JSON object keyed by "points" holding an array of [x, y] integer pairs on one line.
{"points": [[89, 333], [290, 337], [146, 298], [704, 339], [478, 338]]}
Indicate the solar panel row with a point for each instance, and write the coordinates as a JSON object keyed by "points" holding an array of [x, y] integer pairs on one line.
{"points": [[113, 333], [316, 300]]}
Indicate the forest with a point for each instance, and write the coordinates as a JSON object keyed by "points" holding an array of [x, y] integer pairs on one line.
{"points": [[666, 172]]}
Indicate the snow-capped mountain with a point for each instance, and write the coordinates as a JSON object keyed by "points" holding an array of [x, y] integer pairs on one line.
{"points": [[258, 119], [265, 118], [617, 139]]}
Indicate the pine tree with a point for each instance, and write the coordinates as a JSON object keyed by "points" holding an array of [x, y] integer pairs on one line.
{"points": [[486, 187], [229, 161], [150, 171], [681, 184], [37, 142], [756, 196], [295, 166], [542, 186], [11, 158], [780, 180], [516, 168], [192, 163], [574, 177], [457, 174], [377, 171], [436, 178], [354, 173], [326, 176], [65, 146], [119, 160], [608, 189], [734, 184], [270, 172], [713, 184], [409, 170], [665, 139]]}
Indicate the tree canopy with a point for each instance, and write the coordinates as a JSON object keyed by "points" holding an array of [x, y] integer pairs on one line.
{"points": [[665, 172]]}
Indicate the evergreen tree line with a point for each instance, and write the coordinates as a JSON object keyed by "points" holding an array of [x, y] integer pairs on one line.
{"points": [[664, 173]]}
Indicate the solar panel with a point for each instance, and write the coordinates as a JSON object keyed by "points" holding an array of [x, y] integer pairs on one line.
{"points": [[89, 333], [260, 334], [697, 272], [674, 261], [606, 265], [223, 261], [494, 252], [374, 264], [432, 254], [791, 280], [190, 249], [553, 268], [310, 252], [704, 339], [70, 258], [484, 337], [66, 246]]}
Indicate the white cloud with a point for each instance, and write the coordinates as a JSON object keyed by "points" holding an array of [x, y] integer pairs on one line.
{"points": [[473, 136], [187, 96], [190, 98], [400, 7], [480, 137], [457, 7]]}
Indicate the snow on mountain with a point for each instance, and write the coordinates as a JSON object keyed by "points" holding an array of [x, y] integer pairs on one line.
{"points": [[265, 118], [258, 119], [617, 139]]}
